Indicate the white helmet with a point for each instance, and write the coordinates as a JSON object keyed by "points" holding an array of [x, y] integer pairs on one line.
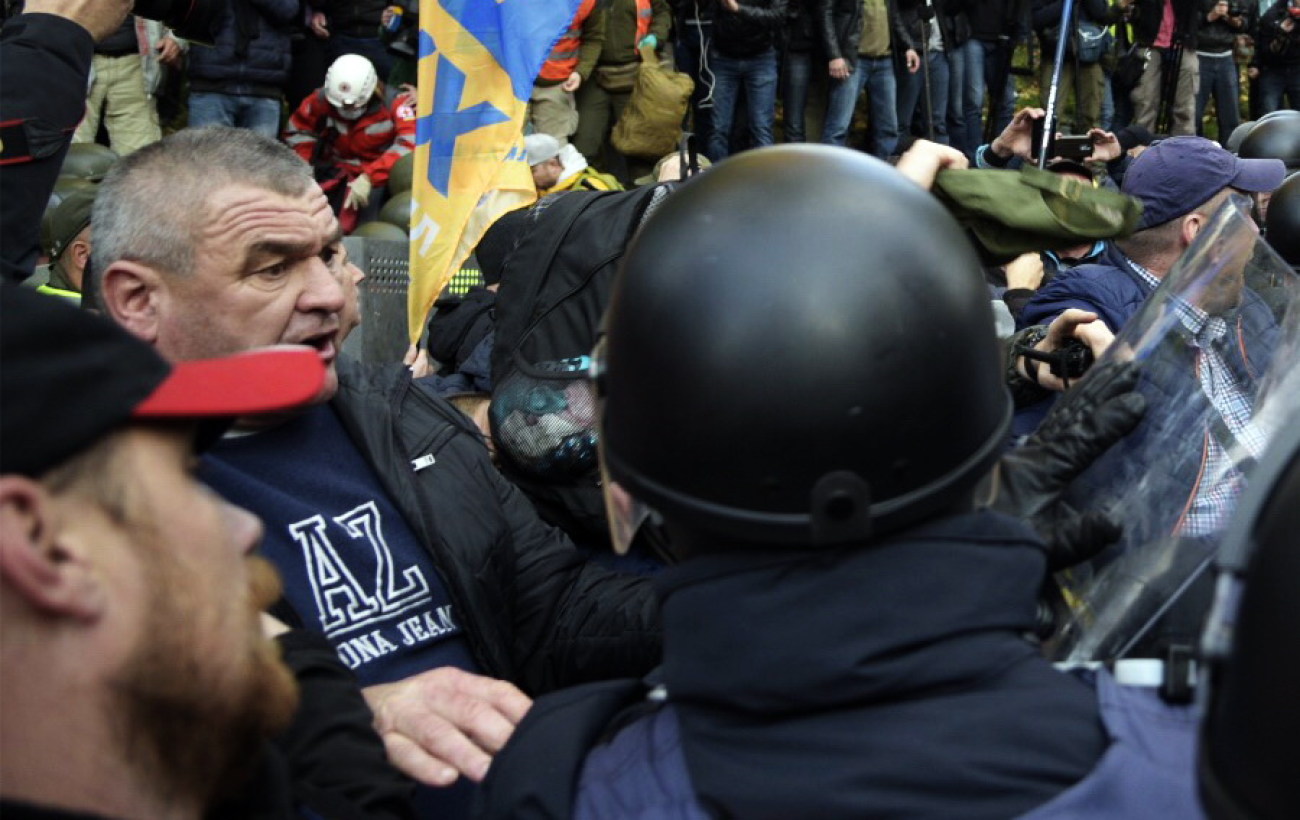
{"points": [[349, 84]]}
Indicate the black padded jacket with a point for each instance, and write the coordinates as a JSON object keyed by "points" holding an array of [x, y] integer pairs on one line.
{"points": [[537, 613]]}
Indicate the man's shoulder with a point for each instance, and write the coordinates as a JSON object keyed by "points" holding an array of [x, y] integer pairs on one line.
{"points": [[374, 398], [1100, 271], [1102, 286], [365, 379], [1101, 277]]}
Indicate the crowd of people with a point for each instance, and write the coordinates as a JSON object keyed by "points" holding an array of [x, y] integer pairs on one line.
{"points": [[909, 479], [935, 69]]}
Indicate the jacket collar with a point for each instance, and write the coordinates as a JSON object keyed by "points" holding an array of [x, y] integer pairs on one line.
{"points": [[775, 632]]}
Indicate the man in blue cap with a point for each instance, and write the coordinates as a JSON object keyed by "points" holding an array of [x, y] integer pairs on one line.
{"points": [[1222, 343], [1181, 182]]}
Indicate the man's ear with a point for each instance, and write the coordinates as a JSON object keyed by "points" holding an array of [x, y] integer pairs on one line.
{"points": [[131, 293], [36, 560], [80, 251], [1192, 224]]}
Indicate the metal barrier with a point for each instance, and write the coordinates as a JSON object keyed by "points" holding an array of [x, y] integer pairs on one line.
{"points": [[382, 335]]}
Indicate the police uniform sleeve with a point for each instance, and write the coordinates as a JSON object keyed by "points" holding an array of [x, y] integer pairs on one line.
{"points": [[44, 69], [574, 621]]}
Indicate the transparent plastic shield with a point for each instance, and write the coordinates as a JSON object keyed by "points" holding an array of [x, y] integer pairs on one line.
{"points": [[1218, 343]]}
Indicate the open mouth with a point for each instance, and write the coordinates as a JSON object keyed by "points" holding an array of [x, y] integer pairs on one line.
{"points": [[325, 344]]}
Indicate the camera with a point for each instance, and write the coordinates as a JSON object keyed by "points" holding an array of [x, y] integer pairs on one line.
{"points": [[1068, 362], [1236, 10], [192, 19]]}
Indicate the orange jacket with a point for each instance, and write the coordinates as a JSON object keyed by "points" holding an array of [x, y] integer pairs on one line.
{"points": [[564, 55], [644, 16]]}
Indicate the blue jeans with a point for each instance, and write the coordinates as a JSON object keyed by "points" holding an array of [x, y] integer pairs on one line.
{"points": [[958, 59], [794, 94], [877, 74], [1107, 118], [911, 97], [260, 114], [758, 77], [1274, 82], [993, 54], [1219, 77], [981, 62]]}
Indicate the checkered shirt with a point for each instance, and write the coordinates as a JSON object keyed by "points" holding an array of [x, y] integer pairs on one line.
{"points": [[1221, 482]]}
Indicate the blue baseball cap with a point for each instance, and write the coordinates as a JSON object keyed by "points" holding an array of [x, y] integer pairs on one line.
{"points": [[1177, 175]]}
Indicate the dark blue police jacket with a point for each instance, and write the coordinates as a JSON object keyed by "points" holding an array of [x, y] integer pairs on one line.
{"points": [[1147, 771], [884, 680]]}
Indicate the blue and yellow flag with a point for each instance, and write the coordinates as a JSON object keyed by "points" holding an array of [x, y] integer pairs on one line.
{"points": [[478, 61]]}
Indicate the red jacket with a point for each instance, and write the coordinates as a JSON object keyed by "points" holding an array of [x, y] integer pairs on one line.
{"points": [[368, 145]]}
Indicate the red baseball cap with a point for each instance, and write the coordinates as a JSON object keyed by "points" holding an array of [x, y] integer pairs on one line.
{"points": [[68, 378]]}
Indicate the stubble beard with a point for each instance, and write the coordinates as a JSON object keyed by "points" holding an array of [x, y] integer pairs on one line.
{"points": [[192, 731]]}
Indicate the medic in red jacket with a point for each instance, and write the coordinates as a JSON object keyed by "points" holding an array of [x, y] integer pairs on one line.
{"points": [[349, 134]]}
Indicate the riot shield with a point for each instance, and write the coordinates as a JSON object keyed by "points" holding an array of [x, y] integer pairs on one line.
{"points": [[1218, 364]]}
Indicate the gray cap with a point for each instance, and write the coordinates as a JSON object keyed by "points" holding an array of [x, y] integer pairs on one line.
{"points": [[538, 148]]}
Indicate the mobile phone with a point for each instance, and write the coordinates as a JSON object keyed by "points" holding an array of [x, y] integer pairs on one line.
{"points": [[1072, 147], [1065, 147]]}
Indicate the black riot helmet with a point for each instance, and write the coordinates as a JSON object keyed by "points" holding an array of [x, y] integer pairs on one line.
{"points": [[799, 351], [1277, 138], [1249, 756], [1280, 114], [1282, 226]]}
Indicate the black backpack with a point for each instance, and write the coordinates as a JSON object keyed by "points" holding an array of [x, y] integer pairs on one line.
{"points": [[555, 286]]}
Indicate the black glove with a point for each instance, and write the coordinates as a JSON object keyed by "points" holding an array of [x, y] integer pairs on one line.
{"points": [[1029, 481]]}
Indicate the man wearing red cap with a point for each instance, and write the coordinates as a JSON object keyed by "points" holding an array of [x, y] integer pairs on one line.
{"points": [[137, 679]]}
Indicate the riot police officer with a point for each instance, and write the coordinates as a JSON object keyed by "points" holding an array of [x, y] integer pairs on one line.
{"points": [[804, 393]]}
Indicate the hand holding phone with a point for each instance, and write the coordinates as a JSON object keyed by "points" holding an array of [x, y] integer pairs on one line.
{"points": [[1062, 146]]}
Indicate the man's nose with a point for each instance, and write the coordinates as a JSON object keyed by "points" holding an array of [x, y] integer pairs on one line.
{"points": [[323, 292]]}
